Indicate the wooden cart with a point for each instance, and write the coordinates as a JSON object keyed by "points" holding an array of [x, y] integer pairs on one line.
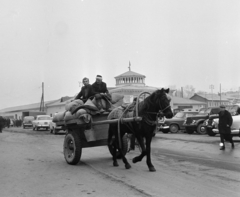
{"points": [[84, 135]]}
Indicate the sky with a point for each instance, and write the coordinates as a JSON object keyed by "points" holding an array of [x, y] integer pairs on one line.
{"points": [[171, 42]]}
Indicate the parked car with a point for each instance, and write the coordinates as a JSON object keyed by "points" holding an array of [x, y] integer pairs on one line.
{"points": [[42, 121], [54, 128], [176, 123], [208, 126], [27, 121], [195, 123], [235, 128]]}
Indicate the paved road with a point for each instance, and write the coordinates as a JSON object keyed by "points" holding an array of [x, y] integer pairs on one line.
{"points": [[32, 164]]}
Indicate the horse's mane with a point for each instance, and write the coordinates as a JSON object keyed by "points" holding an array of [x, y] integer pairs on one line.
{"points": [[146, 103]]}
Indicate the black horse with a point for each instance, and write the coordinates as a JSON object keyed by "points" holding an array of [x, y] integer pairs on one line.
{"points": [[158, 103]]}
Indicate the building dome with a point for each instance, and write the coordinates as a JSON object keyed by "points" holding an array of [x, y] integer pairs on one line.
{"points": [[130, 78]]}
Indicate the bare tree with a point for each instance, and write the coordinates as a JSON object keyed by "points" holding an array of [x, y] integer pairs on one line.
{"points": [[188, 91]]}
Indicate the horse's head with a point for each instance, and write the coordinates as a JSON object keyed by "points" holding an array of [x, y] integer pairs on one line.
{"points": [[163, 99]]}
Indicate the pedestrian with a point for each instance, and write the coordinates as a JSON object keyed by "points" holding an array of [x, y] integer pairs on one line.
{"points": [[224, 126], [86, 91], [1, 124]]}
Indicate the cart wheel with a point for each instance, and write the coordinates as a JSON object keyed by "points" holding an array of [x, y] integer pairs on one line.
{"points": [[124, 147], [72, 148]]}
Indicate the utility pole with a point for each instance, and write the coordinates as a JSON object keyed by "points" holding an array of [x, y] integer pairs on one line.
{"points": [[212, 87], [220, 95], [42, 99]]}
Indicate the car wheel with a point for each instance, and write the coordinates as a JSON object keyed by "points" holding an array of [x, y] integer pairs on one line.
{"points": [[201, 129], [174, 128], [189, 131]]}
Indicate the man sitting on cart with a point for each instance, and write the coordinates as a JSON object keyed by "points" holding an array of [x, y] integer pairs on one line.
{"points": [[101, 92], [86, 91]]}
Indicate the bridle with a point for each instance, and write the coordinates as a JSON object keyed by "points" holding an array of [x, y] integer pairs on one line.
{"points": [[160, 113]]}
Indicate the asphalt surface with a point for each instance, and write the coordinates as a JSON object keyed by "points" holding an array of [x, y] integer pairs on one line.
{"points": [[32, 164]]}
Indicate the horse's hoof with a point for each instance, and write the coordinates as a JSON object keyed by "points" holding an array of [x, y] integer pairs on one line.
{"points": [[134, 160], [152, 169], [127, 166], [115, 164]]}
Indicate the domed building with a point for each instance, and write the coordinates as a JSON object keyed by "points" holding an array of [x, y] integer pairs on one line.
{"points": [[131, 84]]}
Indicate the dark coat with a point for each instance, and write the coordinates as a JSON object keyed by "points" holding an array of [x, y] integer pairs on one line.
{"points": [[224, 120], [2, 122], [99, 88], [85, 93]]}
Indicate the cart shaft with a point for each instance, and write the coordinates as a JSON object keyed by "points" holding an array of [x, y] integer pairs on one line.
{"points": [[135, 119]]}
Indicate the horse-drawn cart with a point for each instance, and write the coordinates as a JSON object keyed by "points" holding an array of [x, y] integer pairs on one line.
{"points": [[83, 134], [90, 130]]}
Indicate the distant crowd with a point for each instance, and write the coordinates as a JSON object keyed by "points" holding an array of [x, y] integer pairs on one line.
{"points": [[7, 122]]}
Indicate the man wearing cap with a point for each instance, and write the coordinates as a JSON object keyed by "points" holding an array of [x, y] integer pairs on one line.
{"points": [[224, 127], [100, 90], [86, 91]]}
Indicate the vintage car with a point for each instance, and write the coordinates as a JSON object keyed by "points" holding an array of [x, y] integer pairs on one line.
{"points": [[27, 121], [195, 123], [235, 128], [207, 124], [54, 129], [42, 121], [176, 123]]}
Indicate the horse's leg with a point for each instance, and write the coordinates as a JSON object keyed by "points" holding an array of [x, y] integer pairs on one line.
{"points": [[143, 153], [112, 143], [125, 161], [115, 163], [148, 150], [127, 165]]}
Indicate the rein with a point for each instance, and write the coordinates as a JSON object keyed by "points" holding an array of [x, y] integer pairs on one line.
{"points": [[160, 112]]}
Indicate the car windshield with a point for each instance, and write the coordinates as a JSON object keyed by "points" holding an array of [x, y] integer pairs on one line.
{"points": [[180, 115], [29, 118], [44, 118], [214, 111], [190, 114], [229, 107], [233, 109], [203, 111]]}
